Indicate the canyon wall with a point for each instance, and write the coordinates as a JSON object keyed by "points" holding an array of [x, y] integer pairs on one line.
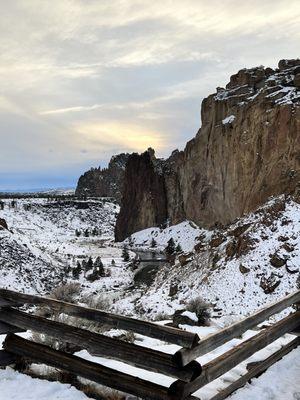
{"points": [[247, 150], [107, 182]]}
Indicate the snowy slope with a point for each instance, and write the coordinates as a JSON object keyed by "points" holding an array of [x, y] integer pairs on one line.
{"points": [[232, 267], [186, 234], [41, 242]]}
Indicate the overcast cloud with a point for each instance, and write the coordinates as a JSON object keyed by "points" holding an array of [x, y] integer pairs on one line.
{"points": [[83, 80]]}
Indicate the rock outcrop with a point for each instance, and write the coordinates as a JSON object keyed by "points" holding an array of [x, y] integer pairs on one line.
{"points": [[247, 150], [107, 182], [3, 224]]}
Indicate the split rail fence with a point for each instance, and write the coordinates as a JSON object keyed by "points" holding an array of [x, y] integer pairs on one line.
{"points": [[190, 375]]}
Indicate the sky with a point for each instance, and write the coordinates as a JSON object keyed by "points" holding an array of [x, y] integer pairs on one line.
{"points": [[82, 80]]}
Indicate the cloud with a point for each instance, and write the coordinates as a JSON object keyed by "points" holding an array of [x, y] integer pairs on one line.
{"points": [[82, 80]]}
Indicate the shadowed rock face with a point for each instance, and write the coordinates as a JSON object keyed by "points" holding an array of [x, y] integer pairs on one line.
{"points": [[144, 197], [3, 224], [247, 150], [107, 182]]}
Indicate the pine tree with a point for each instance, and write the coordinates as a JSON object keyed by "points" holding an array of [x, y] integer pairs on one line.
{"points": [[178, 248], [77, 232], [125, 254], [89, 264], [113, 262], [153, 243], [77, 271], [170, 249], [95, 232], [84, 266], [86, 233], [98, 265]]}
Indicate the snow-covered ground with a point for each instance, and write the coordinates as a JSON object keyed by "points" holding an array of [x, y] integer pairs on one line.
{"points": [[231, 267], [41, 243], [239, 269], [186, 234], [16, 386], [266, 387]]}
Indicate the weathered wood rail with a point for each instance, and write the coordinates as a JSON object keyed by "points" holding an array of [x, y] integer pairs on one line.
{"points": [[190, 375]]}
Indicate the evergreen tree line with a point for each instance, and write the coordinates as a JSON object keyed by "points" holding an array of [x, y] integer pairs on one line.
{"points": [[86, 233], [171, 247], [92, 270]]}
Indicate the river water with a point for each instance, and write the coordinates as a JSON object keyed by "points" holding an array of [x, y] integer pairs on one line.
{"points": [[149, 266]]}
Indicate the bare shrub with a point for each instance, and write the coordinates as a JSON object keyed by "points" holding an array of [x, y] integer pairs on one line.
{"points": [[97, 391], [201, 308], [68, 292], [100, 302], [128, 337], [161, 316]]}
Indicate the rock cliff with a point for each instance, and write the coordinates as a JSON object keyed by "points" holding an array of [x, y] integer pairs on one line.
{"points": [[247, 149], [107, 182]]}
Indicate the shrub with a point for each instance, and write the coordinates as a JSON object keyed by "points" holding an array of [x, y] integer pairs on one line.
{"points": [[67, 292], [128, 337], [201, 308]]}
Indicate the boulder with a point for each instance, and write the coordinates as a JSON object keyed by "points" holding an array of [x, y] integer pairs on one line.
{"points": [[269, 284], [185, 258], [243, 269], [173, 289], [239, 230], [216, 240], [182, 317], [286, 64], [277, 261], [3, 224], [297, 81]]}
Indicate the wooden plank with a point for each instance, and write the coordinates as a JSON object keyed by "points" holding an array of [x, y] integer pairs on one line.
{"points": [[235, 356], [104, 346], [8, 303], [259, 368], [7, 328], [164, 333], [210, 343], [7, 358], [86, 369]]}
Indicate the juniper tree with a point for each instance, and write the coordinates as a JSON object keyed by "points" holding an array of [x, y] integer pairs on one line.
{"points": [[170, 249], [77, 270], [89, 264], [86, 233], [77, 232], [178, 248], [153, 243], [125, 254], [98, 266]]}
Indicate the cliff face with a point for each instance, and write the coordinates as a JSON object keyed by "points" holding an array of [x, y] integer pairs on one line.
{"points": [[144, 197], [107, 182], [247, 149]]}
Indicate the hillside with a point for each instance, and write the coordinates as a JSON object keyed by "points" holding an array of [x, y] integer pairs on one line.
{"points": [[238, 268], [46, 237]]}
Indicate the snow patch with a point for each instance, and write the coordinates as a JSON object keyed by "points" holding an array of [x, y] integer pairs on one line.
{"points": [[228, 120]]}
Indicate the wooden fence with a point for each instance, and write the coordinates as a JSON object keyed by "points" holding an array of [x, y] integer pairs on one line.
{"points": [[190, 375]]}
